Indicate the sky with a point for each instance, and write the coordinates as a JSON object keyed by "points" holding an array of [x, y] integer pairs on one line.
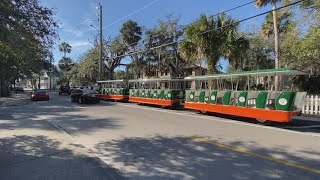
{"points": [[76, 16]]}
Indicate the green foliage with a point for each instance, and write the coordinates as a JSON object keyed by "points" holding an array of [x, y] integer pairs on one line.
{"points": [[256, 53], [303, 52], [311, 4], [86, 71], [209, 39], [166, 59], [262, 3], [27, 31], [120, 75], [116, 50], [65, 64], [65, 48], [285, 23], [131, 34]]}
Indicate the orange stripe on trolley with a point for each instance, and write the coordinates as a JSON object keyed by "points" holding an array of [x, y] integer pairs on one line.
{"points": [[272, 115], [161, 102], [114, 97]]}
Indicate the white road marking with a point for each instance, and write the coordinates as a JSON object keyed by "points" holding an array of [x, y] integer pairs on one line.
{"points": [[220, 119]]}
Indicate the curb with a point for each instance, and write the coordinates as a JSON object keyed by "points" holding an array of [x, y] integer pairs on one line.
{"points": [[115, 173]]}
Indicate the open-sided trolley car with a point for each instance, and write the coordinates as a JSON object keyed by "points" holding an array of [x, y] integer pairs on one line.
{"points": [[247, 94], [162, 92], [114, 90]]}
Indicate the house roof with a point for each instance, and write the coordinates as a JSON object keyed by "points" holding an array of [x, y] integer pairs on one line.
{"points": [[256, 73], [155, 79]]}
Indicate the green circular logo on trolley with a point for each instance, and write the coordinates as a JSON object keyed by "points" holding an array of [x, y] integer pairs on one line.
{"points": [[283, 101], [155, 95], [142, 94], [213, 97], [191, 96], [169, 95], [242, 99]]}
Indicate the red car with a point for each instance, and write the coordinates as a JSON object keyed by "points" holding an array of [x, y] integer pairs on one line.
{"points": [[39, 94]]}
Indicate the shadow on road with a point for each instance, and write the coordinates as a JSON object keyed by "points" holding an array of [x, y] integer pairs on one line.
{"points": [[40, 157], [296, 124], [182, 158], [19, 117]]}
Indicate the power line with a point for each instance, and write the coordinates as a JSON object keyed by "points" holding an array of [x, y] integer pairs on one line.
{"points": [[124, 17], [71, 35], [183, 27], [173, 42]]}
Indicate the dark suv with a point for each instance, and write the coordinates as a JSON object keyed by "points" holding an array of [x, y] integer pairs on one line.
{"points": [[64, 89]]}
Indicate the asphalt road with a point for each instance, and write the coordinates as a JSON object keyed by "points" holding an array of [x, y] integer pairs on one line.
{"points": [[154, 143]]}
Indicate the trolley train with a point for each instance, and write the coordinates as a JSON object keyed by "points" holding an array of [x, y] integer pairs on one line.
{"points": [[248, 94]]}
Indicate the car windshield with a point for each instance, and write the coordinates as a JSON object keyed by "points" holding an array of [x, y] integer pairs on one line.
{"points": [[89, 91], [40, 91]]}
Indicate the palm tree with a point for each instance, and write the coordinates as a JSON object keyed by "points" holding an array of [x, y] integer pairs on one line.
{"points": [[236, 52], [131, 34], [261, 3], [65, 48], [208, 39]]}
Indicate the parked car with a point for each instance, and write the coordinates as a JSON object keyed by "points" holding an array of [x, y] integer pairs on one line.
{"points": [[64, 90], [73, 89], [17, 89], [82, 96], [39, 94]]}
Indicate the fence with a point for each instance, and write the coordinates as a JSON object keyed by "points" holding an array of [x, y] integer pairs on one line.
{"points": [[311, 105]]}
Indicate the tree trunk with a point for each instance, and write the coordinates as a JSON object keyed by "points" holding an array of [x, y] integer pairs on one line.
{"points": [[111, 74], [39, 81], [276, 41]]}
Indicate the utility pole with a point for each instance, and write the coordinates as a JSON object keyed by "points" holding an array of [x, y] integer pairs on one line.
{"points": [[101, 45]]}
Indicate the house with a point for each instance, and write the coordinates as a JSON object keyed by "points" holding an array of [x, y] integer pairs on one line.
{"points": [[46, 82], [189, 70]]}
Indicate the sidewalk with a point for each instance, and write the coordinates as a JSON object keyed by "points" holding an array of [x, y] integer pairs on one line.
{"points": [[15, 99], [37, 150]]}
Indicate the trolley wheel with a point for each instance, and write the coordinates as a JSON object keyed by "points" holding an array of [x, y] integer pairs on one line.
{"points": [[203, 112], [263, 121]]}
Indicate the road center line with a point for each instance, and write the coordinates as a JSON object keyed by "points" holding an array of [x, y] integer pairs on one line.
{"points": [[280, 161], [219, 119]]}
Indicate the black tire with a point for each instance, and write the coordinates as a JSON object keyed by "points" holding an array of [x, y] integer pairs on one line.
{"points": [[59, 93]]}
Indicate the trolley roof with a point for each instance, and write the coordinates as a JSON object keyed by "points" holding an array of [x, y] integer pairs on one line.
{"points": [[154, 80], [256, 73], [111, 81]]}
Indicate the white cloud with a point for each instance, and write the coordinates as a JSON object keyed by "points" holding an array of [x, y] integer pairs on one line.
{"points": [[80, 43], [75, 32]]}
